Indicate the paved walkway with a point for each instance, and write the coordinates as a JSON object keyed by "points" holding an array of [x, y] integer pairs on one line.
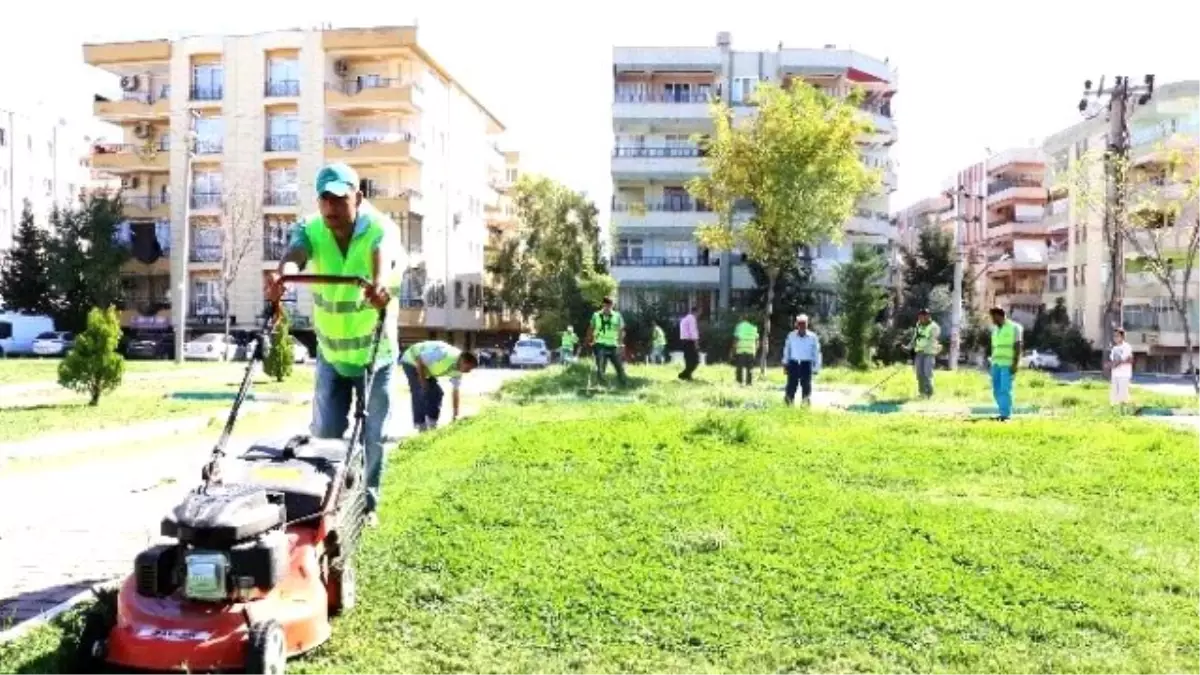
{"points": [[68, 528]]}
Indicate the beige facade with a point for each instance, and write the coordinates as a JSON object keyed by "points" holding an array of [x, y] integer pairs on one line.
{"points": [[223, 137]]}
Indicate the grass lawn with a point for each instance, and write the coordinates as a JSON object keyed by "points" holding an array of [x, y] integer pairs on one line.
{"points": [[560, 533], [139, 401], [28, 370]]}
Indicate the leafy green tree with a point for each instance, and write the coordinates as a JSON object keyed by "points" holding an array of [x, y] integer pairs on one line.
{"points": [[861, 297], [278, 361], [24, 272], [797, 162], [85, 259], [551, 270], [93, 366], [1053, 331]]}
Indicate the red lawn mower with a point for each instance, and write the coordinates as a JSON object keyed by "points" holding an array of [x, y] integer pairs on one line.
{"points": [[263, 553]]}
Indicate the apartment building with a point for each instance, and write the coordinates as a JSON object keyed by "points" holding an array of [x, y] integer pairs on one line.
{"points": [[222, 139], [44, 157], [1079, 269], [661, 100]]}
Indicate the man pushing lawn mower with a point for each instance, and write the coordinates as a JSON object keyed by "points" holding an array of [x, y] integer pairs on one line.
{"points": [[349, 237]]}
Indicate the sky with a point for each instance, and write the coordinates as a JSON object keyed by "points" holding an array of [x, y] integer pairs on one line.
{"points": [[971, 75]]}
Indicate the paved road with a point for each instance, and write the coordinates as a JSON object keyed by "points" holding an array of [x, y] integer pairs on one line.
{"points": [[65, 529]]}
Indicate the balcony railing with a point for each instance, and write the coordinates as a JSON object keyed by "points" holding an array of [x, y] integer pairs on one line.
{"points": [[145, 201], [283, 143], [387, 192], [1003, 184], [206, 200], [206, 252], [352, 141], [663, 261], [283, 88], [620, 96], [209, 146], [289, 197], [207, 93], [657, 152], [352, 87], [127, 148], [206, 311], [275, 244], [874, 215], [150, 97], [662, 207]]}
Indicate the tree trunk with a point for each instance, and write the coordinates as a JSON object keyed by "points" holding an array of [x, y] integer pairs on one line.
{"points": [[772, 275], [225, 309], [95, 394]]}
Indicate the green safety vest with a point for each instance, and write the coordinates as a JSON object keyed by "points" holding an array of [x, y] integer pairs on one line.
{"points": [[924, 342], [659, 338], [1004, 341], [344, 320], [606, 331], [569, 339], [746, 335], [442, 366]]}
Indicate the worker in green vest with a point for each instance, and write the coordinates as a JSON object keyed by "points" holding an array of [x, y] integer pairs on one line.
{"points": [[423, 363], [658, 344], [567, 345], [926, 346], [1005, 355], [349, 237], [745, 348], [606, 335]]}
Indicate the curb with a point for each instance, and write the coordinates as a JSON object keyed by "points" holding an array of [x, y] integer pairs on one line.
{"points": [[29, 625]]}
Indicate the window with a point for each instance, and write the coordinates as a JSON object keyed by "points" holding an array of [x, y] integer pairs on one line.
{"points": [[208, 81], [677, 92], [283, 77], [629, 248], [743, 88], [511, 175], [675, 199], [210, 135], [283, 132]]}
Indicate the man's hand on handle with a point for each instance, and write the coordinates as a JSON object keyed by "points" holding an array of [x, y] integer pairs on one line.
{"points": [[377, 295]]}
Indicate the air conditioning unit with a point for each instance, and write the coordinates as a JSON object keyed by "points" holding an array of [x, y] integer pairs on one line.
{"points": [[341, 67], [142, 130], [130, 83]]}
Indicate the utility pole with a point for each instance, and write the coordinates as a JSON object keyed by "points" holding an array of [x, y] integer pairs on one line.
{"points": [[179, 265], [1116, 169], [956, 295]]}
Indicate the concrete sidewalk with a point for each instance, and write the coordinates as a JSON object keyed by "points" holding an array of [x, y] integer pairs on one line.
{"points": [[71, 527]]}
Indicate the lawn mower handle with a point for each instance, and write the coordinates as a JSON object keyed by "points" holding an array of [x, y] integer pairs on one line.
{"points": [[361, 282]]}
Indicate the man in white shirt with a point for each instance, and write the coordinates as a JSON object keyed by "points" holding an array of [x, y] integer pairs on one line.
{"points": [[801, 361], [689, 335], [1120, 359]]}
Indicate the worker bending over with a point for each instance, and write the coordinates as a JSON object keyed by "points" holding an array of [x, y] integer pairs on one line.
{"points": [[423, 364]]}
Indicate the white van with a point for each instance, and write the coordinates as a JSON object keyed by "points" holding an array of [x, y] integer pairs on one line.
{"points": [[18, 331]]}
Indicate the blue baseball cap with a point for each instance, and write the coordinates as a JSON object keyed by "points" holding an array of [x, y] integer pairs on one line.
{"points": [[337, 179]]}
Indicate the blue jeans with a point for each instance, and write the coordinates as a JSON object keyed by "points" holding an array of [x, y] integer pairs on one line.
{"points": [[1002, 381], [426, 409], [606, 354], [656, 354], [332, 410]]}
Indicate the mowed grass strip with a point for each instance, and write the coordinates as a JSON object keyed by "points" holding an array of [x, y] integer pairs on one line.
{"points": [[33, 370], [138, 401], [639, 539]]}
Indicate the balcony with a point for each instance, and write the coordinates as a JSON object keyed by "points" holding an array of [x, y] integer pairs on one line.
{"points": [[395, 199], [1026, 298], [206, 201], [1058, 258], [131, 157], [670, 59], [207, 94], [274, 244], [634, 163], [835, 61], [661, 217], [374, 94], [208, 147], [146, 207], [631, 106], [1008, 230], [1004, 264], [1056, 214], [1006, 190], [206, 312], [379, 148], [871, 225], [120, 53], [282, 143], [645, 270], [282, 89], [286, 199], [135, 106]]}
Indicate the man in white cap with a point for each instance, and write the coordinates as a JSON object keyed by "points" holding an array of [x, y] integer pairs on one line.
{"points": [[801, 360]]}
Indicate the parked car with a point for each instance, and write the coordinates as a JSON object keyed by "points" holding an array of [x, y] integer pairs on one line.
{"points": [[53, 343], [530, 352], [211, 347], [299, 350], [18, 331], [1040, 360], [150, 347]]}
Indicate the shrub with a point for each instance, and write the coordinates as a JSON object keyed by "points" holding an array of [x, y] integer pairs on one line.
{"points": [[93, 366]]}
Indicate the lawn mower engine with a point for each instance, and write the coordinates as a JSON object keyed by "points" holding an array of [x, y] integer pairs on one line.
{"points": [[259, 563]]}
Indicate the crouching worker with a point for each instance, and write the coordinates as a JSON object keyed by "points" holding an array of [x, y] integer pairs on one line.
{"points": [[423, 364]]}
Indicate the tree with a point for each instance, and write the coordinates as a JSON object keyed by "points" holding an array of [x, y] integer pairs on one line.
{"points": [[1053, 331], [93, 365], [797, 162], [278, 361], [241, 228], [929, 277], [861, 296], [551, 269], [1162, 231], [25, 272], [85, 259]]}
